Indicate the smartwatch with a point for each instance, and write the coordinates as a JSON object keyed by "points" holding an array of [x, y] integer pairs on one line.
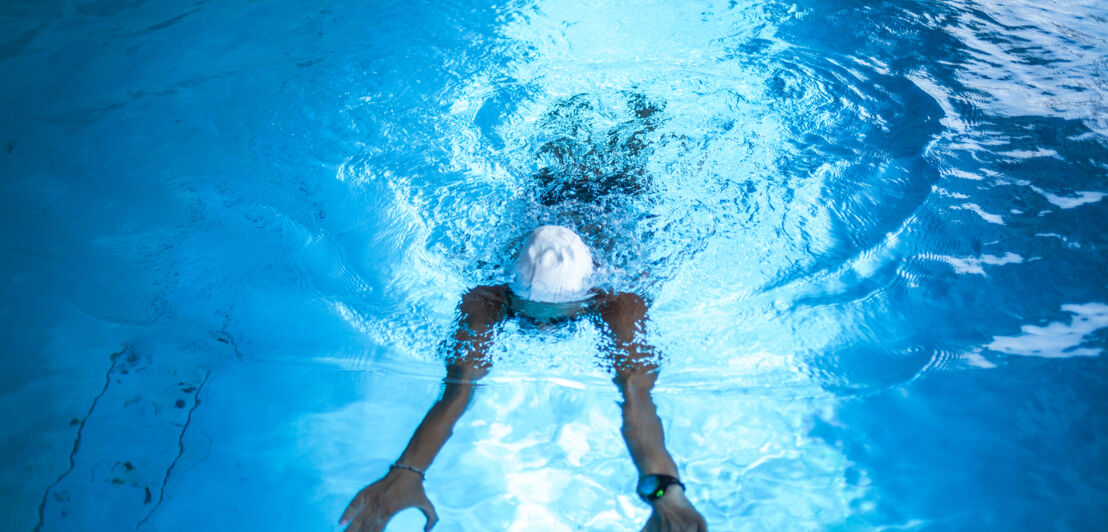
{"points": [[652, 487]]}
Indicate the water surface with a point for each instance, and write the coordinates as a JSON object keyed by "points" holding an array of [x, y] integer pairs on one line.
{"points": [[873, 235]]}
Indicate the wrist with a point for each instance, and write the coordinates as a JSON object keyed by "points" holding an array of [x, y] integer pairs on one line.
{"points": [[404, 469], [655, 487], [657, 463]]}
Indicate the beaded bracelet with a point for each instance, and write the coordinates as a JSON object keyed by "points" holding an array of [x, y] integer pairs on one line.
{"points": [[422, 475]]}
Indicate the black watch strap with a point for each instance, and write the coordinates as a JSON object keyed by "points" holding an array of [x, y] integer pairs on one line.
{"points": [[652, 487]]}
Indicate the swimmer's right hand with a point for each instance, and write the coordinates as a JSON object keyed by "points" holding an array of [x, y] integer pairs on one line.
{"points": [[674, 513], [374, 506]]}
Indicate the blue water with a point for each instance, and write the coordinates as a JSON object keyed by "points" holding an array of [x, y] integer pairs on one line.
{"points": [[873, 234]]}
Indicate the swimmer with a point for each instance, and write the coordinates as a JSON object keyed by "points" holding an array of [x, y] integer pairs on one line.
{"points": [[552, 284]]}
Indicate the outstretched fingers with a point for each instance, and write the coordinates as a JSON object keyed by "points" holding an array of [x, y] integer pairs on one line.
{"points": [[369, 521], [363, 516], [377, 524], [352, 510]]}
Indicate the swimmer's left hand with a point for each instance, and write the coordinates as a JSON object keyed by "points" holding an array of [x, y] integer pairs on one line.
{"points": [[374, 506], [674, 513]]}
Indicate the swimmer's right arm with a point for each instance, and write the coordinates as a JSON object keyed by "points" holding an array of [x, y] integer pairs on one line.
{"points": [[481, 309], [636, 371]]}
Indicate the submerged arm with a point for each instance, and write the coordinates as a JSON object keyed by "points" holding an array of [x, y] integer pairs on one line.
{"points": [[481, 309], [402, 487], [635, 373]]}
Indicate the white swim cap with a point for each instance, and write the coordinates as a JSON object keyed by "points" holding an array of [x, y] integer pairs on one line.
{"points": [[554, 266]]}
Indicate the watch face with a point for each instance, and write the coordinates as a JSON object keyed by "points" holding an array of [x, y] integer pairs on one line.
{"points": [[653, 487], [650, 487]]}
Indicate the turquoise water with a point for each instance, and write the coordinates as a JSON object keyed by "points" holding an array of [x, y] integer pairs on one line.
{"points": [[873, 235]]}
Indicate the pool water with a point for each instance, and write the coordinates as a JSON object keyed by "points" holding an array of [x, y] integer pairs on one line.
{"points": [[872, 235]]}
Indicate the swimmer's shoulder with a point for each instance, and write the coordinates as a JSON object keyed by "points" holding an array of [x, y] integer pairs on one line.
{"points": [[624, 300], [485, 304], [496, 295], [622, 311]]}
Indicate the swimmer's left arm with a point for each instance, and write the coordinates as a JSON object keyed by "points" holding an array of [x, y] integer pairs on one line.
{"points": [[372, 508], [481, 309], [635, 374]]}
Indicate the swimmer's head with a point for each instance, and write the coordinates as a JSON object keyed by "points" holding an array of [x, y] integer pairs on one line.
{"points": [[554, 266]]}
